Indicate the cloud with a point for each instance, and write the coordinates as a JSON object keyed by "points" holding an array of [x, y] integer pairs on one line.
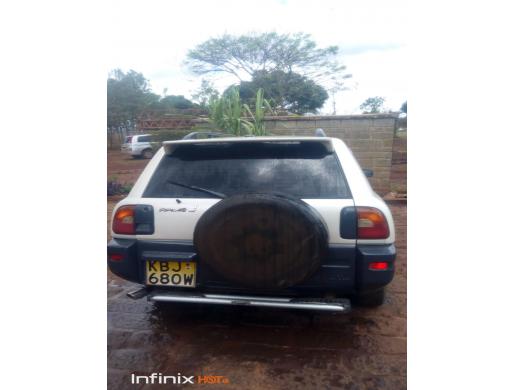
{"points": [[375, 73], [347, 50]]}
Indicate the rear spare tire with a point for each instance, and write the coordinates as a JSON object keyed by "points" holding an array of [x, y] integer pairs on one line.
{"points": [[261, 240]]}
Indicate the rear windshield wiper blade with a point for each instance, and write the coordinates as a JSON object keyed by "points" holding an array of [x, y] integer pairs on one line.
{"points": [[211, 192]]}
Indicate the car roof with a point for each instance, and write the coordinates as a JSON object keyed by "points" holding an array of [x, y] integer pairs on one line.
{"points": [[171, 146]]}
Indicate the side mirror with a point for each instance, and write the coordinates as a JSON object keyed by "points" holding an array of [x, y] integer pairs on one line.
{"points": [[368, 172]]}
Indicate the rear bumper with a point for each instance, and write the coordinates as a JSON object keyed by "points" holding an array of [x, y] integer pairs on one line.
{"points": [[370, 280], [344, 272], [334, 305]]}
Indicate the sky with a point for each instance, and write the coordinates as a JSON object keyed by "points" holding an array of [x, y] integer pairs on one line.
{"points": [[154, 36]]}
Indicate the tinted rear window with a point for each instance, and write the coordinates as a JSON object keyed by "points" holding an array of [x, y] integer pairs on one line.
{"points": [[302, 170]]}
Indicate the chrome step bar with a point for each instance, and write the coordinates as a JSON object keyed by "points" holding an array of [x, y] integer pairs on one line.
{"points": [[339, 305]]}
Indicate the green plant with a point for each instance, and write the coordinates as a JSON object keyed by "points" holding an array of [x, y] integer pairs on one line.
{"points": [[257, 126], [231, 116], [115, 188], [226, 112]]}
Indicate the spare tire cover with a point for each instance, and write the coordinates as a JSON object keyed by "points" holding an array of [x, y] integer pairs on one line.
{"points": [[261, 240]]}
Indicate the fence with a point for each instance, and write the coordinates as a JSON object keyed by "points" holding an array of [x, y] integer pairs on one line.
{"points": [[370, 137]]}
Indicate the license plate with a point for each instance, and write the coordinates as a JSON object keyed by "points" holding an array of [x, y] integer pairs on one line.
{"points": [[171, 273]]}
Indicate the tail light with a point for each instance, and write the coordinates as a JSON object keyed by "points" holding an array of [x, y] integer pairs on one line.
{"points": [[123, 221], [378, 266], [372, 223], [116, 257], [134, 219]]}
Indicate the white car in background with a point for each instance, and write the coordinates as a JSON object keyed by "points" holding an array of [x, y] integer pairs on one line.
{"points": [[138, 146]]}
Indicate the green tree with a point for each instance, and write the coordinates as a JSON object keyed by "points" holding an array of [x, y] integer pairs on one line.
{"points": [[372, 105], [127, 95], [243, 56], [205, 93], [175, 101], [336, 84], [286, 91]]}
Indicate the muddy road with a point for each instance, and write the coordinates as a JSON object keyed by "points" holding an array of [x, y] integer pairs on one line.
{"points": [[257, 348]]}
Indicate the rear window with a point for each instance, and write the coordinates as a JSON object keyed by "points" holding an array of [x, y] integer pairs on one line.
{"points": [[128, 139], [302, 170]]}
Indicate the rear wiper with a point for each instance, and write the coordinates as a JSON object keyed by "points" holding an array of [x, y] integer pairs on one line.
{"points": [[211, 192]]}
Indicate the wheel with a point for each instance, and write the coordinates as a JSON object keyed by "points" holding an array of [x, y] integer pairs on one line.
{"points": [[147, 153], [370, 299], [261, 241]]}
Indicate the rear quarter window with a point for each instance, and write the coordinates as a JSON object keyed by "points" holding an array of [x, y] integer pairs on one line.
{"points": [[301, 170], [144, 138]]}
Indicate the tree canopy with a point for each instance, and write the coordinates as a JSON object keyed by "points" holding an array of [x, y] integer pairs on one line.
{"points": [[205, 93], [373, 105], [174, 101], [129, 94], [286, 91], [243, 56]]}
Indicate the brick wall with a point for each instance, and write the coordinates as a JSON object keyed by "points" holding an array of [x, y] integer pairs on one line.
{"points": [[399, 165], [370, 137]]}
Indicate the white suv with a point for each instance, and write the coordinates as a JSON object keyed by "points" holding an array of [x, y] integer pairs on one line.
{"points": [[288, 222], [138, 146]]}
